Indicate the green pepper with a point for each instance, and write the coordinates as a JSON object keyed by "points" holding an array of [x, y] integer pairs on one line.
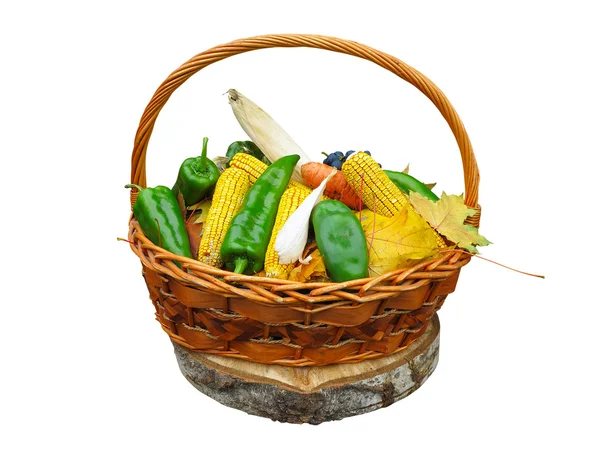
{"points": [[248, 147], [245, 243], [158, 213], [197, 177], [407, 183], [341, 240]]}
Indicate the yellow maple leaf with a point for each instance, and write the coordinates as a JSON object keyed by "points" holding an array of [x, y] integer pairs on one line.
{"points": [[396, 242], [447, 217], [315, 269]]}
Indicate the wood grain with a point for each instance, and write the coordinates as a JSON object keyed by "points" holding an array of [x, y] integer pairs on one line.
{"points": [[312, 394]]}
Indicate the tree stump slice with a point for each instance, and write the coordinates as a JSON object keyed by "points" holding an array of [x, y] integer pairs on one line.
{"points": [[313, 394]]}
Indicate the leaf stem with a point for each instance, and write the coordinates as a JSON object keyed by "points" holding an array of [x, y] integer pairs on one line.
{"points": [[194, 210], [374, 222], [493, 262], [360, 195]]}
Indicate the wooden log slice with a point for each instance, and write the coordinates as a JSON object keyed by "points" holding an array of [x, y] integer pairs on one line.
{"points": [[313, 394]]}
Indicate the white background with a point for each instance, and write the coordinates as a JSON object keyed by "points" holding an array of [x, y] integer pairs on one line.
{"points": [[85, 365]]}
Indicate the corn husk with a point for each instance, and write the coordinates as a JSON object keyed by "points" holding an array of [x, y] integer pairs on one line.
{"points": [[292, 237], [221, 162], [265, 132]]}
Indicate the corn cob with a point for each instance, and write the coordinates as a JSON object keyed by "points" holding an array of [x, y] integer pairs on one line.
{"points": [[227, 200], [290, 200], [369, 180], [255, 168], [377, 190]]}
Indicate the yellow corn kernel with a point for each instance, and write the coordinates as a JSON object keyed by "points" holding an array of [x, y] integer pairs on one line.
{"points": [[290, 200], [249, 164], [227, 200], [379, 193], [254, 167]]}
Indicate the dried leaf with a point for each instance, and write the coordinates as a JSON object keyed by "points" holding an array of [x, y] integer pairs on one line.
{"points": [[200, 210], [314, 270], [194, 232], [396, 242], [195, 224], [447, 217], [181, 203]]}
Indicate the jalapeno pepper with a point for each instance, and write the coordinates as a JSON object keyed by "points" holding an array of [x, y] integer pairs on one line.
{"points": [[245, 243], [248, 147], [197, 177], [341, 240], [157, 212], [407, 183]]}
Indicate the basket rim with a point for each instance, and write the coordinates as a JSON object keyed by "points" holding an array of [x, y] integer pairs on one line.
{"points": [[275, 291]]}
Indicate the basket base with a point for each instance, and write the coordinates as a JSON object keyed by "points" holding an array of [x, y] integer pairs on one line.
{"points": [[313, 394]]}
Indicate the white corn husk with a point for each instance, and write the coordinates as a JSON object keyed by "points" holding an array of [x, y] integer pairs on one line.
{"points": [[221, 162], [292, 237], [273, 141]]}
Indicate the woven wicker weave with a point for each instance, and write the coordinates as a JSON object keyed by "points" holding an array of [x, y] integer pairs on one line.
{"points": [[282, 322]]}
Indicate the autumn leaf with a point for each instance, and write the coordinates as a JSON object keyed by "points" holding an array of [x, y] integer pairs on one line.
{"points": [[194, 232], [447, 217], [195, 224], [200, 210], [313, 271], [181, 203], [396, 242]]}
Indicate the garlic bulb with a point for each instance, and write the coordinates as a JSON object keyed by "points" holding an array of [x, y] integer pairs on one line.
{"points": [[267, 134], [292, 237]]}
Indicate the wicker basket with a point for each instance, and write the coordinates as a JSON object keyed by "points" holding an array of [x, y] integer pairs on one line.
{"points": [[281, 322]]}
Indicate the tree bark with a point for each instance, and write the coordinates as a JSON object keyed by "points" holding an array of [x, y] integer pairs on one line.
{"points": [[312, 394]]}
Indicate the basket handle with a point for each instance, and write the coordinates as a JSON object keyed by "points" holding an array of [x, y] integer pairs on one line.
{"points": [[394, 65]]}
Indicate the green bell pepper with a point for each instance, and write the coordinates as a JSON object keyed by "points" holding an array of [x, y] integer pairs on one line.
{"points": [[341, 240], [406, 183], [248, 147], [197, 177], [245, 243], [157, 212]]}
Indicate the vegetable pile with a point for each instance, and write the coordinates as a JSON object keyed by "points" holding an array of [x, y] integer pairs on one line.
{"points": [[266, 209]]}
